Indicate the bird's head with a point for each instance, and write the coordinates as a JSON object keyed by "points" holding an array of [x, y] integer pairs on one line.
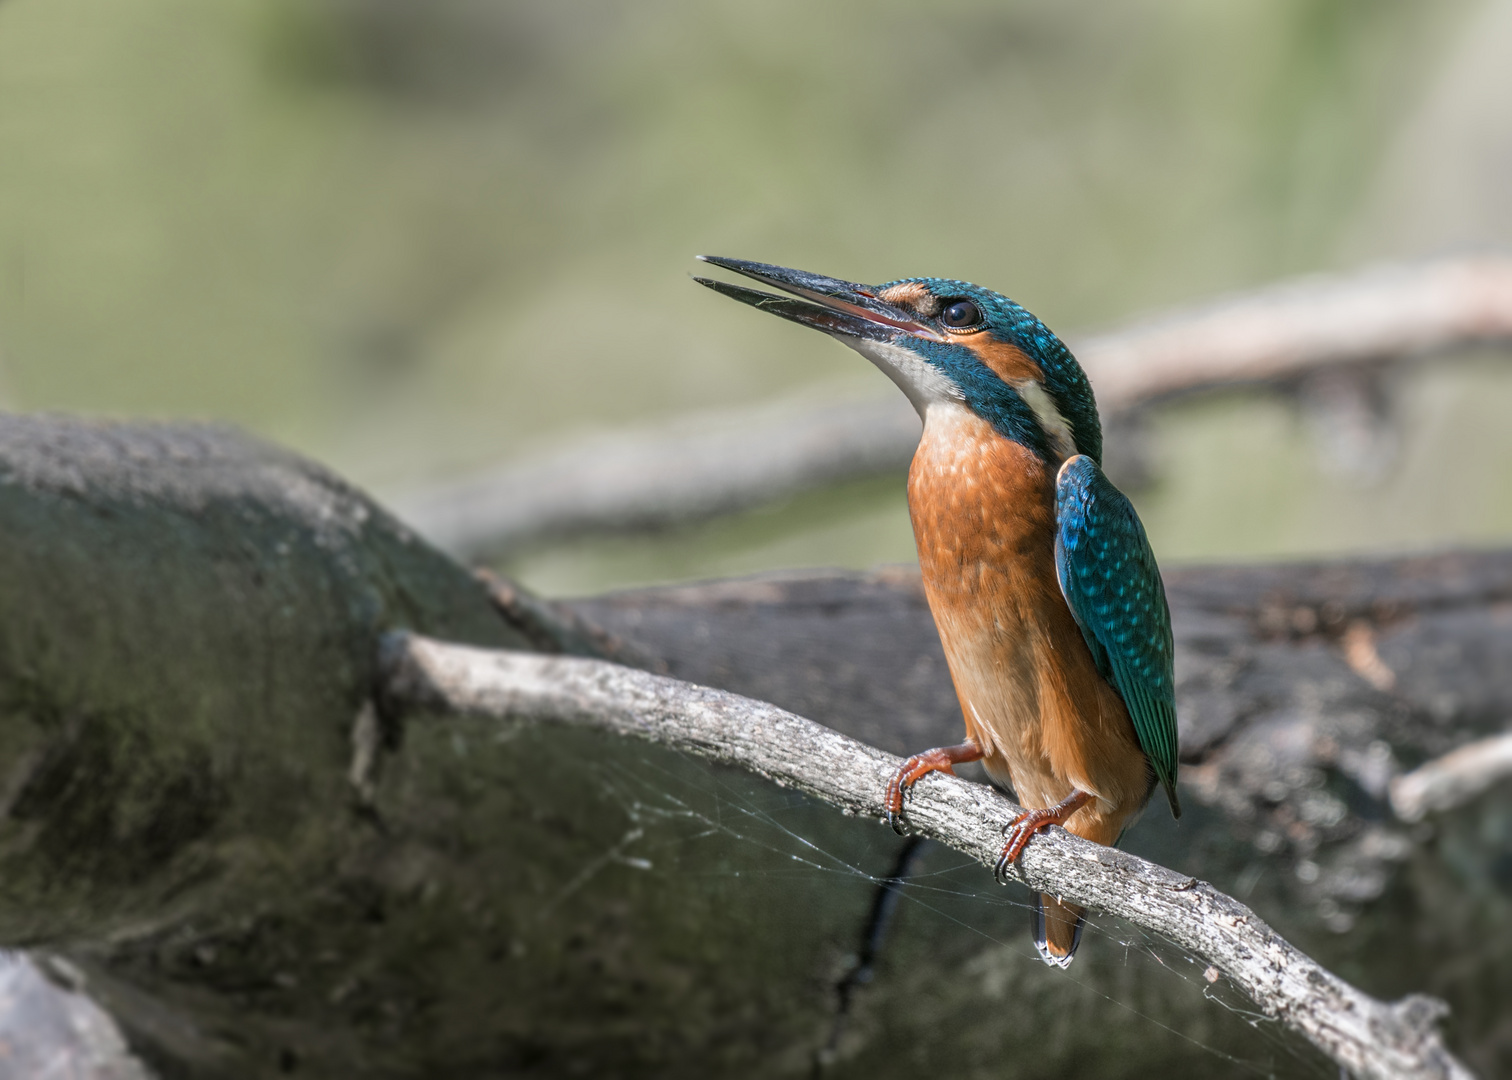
{"points": [[945, 343]]}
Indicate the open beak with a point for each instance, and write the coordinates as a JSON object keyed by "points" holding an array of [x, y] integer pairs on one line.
{"points": [[825, 303]]}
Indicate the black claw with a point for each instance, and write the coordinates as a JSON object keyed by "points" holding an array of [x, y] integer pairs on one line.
{"points": [[1004, 864], [1000, 871], [899, 821]]}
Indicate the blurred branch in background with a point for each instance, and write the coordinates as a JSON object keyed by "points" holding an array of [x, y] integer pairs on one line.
{"points": [[1299, 326], [1324, 331], [1452, 780], [687, 470]]}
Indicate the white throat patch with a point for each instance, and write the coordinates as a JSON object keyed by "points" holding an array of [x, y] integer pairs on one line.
{"points": [[924, 383]]}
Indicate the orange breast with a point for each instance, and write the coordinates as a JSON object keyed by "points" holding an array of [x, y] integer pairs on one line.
{"points": [[983, 510]]}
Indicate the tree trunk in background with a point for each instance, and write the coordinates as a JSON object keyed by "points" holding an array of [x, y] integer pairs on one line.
{"points": [[210, 831]]}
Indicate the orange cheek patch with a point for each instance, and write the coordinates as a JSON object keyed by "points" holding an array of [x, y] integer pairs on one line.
{"points": [[910, 295], [1008, 361]]}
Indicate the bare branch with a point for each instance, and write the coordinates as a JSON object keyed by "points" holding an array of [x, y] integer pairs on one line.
{"points": [[1296, 326], [1368, 1037], [704, 466], [1453, 779], [556, 628], [693, 469]]}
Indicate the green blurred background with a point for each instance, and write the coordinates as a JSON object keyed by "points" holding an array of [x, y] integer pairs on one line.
{"points": [[415, 237]]}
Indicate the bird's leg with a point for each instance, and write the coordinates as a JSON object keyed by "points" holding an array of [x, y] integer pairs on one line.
{"points": [[1018, 831], [940, 759]]}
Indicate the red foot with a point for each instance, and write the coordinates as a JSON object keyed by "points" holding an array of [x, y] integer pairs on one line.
{"points": [[919, 766], [1021, 828]]}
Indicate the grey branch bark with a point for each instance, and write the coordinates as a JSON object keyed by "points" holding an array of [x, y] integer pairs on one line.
{"points": [[1371, 1038], [701, 467]]}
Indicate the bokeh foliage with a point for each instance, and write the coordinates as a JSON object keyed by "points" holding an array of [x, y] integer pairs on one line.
{"points": [[414, 237]]}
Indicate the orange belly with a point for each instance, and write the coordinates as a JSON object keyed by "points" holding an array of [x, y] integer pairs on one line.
{"points": [[983, 510]]}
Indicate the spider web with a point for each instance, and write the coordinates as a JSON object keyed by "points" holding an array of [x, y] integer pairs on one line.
{"points": [[927, 961]]}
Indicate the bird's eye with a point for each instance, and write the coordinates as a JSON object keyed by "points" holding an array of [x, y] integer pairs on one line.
{"points": [[960, 314]]}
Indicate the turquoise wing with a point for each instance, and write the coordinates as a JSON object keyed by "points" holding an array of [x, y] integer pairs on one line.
{"points": [[1111, 583]]}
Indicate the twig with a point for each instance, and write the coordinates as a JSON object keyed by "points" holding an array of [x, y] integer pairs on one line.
{"points": [[1370, 1038], [700, 467], [1453, 779], [885, 897], [556, 628]]}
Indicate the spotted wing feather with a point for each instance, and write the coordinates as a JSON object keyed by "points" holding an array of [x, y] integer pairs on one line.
{"points": [[1111, 583]]}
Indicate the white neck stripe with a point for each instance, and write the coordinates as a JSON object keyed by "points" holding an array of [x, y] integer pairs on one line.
{"points": [[1057, 431]]}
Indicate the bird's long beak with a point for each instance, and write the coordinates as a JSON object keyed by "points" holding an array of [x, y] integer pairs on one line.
{"points": [[828, 304]]}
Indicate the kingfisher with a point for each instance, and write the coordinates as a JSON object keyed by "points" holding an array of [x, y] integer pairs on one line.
{"points": [[1038, 572]]}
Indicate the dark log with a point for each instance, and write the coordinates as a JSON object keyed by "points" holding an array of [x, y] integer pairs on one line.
{"points": [[187, 643], [257, 875]]}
